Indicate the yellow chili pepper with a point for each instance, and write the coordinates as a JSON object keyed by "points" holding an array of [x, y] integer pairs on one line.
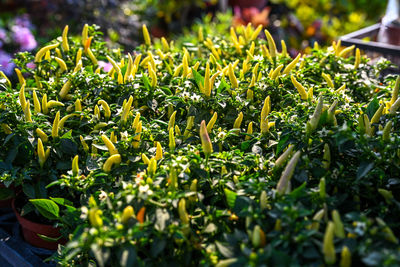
{"points": [[94, 217], [43, 51], [78, 105], [159, 151], [127, 214], [387, 231], [171, 122], [44, 104], [75, 166], [300, 88], [36, 102], [153, 77], [22, 99], [345, 256], [377, 115], [152, 167], [256, 32], [164, 44], [264, 113], [110, 146], [114, 64], [171, 139], [258, 237], [395, 93], [358, 59], [205, 140], [276, 72], [328, 80], [238, 121], [314, 120], [21, 78], [41, 153], [347, 50], [287, 173], [54, 130], [328, 247], [271, 44], [145, 159], [291, 65], [189, 126], [284, 49], [27, 112], [394, 107], [5, 77], [126, 110], [316, 219], [338, 225], [113, 159], [42, 135], [232, 77], [138, 131], [285, 155], [146, 35], [106, 108], [84, 145], [64, 119], [85, 33], [64, 44], [183, 215], [212, 121], [61, 63], [53, 103], [65, 90], [249, 131], [386, 131]]}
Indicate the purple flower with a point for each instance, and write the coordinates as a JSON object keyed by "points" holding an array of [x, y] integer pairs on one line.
{"points": [[24, 37], [6, 65], [23, 21], [3, 34], [105, 66], [31, 65]]}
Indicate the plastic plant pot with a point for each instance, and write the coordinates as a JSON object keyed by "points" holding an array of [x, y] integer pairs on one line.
{"points": [[37, 234]]}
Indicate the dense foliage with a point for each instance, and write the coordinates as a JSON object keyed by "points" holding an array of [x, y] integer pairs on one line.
{"points": [[222, 151]]}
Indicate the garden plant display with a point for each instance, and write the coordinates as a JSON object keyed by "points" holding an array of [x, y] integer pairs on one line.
{"points": [[222, 151]]}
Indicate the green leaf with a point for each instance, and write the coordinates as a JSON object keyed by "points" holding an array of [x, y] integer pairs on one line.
{"points": [[372, 107], [364, 168], [47, 208], [6, 193], [198, 78], [49, 239], [230, 197]]}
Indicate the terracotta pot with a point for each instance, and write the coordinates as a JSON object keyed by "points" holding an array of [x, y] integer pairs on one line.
{"points": [[30, 231]]}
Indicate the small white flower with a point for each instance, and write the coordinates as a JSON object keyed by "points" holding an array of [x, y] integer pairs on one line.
{"points": [[84, 213], [195, 97], [185, 95], [221, 135], [102, 196], [144, 188]]}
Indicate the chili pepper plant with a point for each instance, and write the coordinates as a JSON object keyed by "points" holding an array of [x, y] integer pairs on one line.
{"points": [[219, 151]]}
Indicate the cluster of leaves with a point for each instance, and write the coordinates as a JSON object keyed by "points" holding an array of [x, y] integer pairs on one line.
{"points": [[188, 205]]}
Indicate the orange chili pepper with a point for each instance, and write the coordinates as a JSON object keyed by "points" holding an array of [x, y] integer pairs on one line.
{"points": [[140, 214]]}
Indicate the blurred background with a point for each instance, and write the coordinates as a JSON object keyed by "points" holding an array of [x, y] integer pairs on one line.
{"points": [[28, 24]]}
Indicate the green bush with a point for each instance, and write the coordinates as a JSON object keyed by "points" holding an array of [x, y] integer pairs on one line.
{"points": [[300, 167]]}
